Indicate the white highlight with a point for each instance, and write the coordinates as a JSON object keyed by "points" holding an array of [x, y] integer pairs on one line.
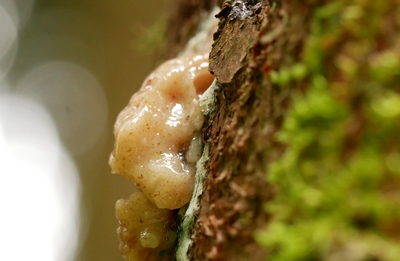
{"points": [[39, 186]]}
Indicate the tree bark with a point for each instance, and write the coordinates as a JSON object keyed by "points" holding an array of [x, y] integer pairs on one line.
{"points": [[265, 60]]}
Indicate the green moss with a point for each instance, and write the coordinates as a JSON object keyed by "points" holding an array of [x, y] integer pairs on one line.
{"points": [[338, 181], [286, 75]]}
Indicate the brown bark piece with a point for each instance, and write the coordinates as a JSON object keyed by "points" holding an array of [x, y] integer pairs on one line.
{"points": [[229, 50]]}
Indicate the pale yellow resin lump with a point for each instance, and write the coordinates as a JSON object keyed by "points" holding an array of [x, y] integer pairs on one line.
{"points": [[145, 230], [156, 128]]}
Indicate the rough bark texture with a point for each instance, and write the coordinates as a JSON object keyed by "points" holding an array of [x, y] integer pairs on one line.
{"points": [[255, 40], [241, 132], [250, 110]]}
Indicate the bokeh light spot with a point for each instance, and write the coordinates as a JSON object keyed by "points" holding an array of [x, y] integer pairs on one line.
{"points": [[39, 186], [74, 98]]}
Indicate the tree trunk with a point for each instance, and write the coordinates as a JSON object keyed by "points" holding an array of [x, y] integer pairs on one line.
{"points": [[304, 152]]}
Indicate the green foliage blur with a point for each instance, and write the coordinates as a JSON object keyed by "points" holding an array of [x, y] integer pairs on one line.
{"points": [[338, 180]]}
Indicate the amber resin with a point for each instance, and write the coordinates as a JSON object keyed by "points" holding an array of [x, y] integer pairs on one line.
{"points": [[154, 132]]}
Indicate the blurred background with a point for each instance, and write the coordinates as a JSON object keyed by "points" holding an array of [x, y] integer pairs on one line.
{"points": [[67, 67]]}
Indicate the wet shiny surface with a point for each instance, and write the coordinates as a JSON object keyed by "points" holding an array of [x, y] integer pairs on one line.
{"points": [[157, 127]]}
